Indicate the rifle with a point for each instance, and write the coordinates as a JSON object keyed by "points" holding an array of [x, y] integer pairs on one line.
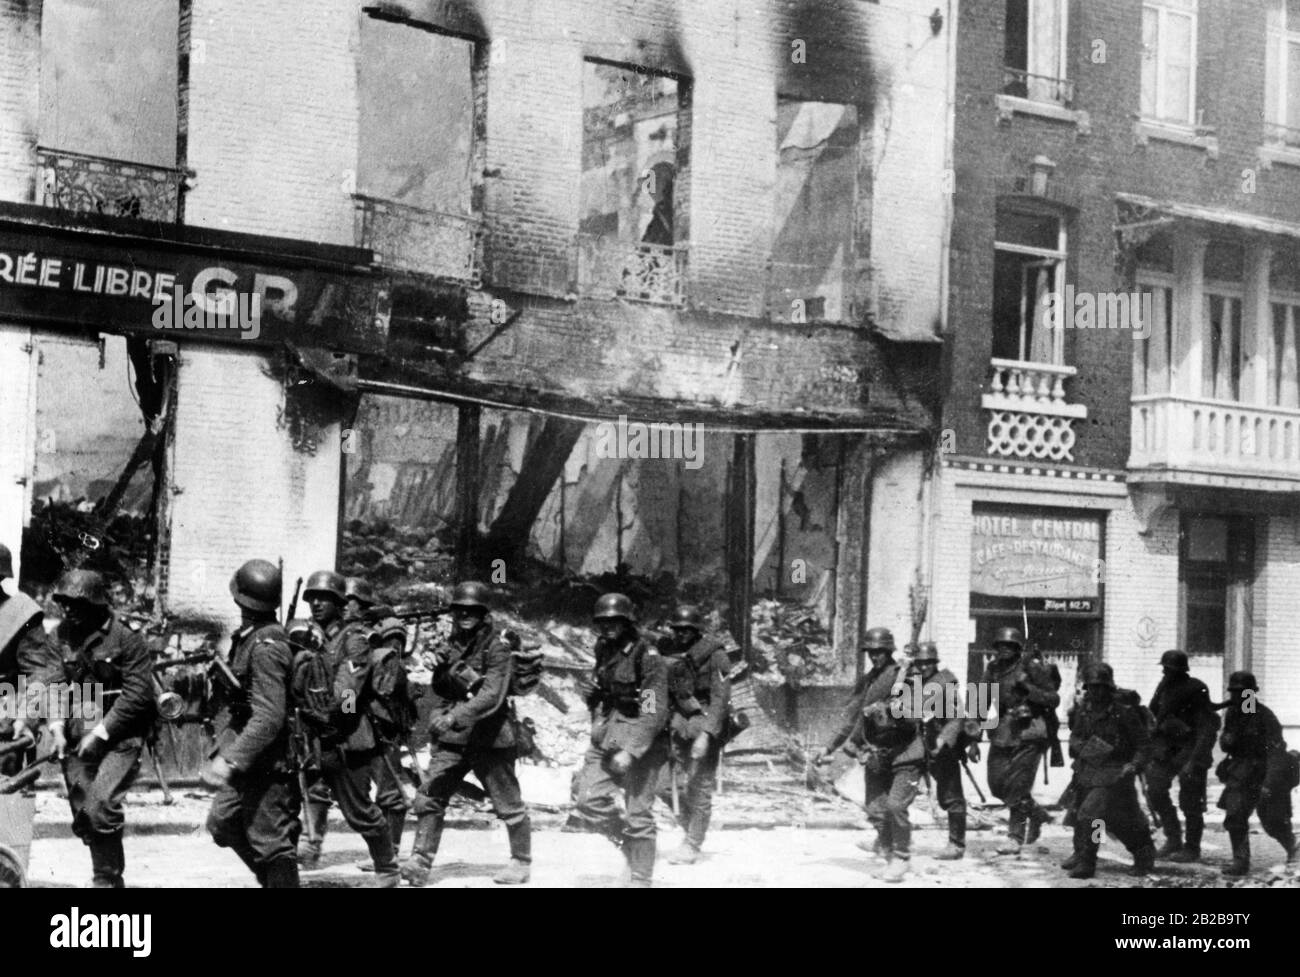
{"points": [[973, 782], [305, 750], [292, 610], [28, 775]]}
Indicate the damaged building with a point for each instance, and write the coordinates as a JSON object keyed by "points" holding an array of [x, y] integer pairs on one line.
{"points": [[490, 250]]}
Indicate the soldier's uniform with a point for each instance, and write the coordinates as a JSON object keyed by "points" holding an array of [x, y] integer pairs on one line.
{"points": [[1111, 746], [256, 813], [1026, 696], [630, 711], [348, 744], [392, 716], [1185, 727], [946, 736], [470, 687], [1256, 774], [701, 699], [26, 652], [116, 659]]}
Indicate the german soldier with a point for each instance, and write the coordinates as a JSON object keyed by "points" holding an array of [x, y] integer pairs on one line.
{"points": [[889, 748], [701, 697], [255, 810], [950, 738], [101, 651], [629, 701], [1186, 725], [470, 729], [1111, 746], [25, 653], [1256, 773], [347, 742], [1027, 695], [392, 712]]}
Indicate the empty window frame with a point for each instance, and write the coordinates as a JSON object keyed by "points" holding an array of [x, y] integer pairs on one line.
{"points": [[1028, 267], [1282, 59], [1169, 60], [1034, 55]]}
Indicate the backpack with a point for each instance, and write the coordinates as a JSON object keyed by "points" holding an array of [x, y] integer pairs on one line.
{"points": [[325, 693], [526, 664]]}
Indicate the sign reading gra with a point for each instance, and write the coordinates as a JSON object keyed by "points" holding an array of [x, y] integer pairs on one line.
{"points": [[1030, 554], [252, 288]]}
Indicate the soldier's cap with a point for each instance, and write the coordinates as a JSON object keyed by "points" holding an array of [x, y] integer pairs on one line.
{"points": [[1173, 658], [1242, 680], [878, 640], [1099, 674], [926, 651]]}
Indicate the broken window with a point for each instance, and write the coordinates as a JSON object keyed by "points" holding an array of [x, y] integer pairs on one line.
{"points": [[1282, 89], [415, 150], [108, 107], [1035, 51], [1028, 268], [816, 195], [1169, 60], [633, 147]]}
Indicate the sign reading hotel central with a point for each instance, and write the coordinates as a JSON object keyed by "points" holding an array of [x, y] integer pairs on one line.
{"points": [[1025, 553]]}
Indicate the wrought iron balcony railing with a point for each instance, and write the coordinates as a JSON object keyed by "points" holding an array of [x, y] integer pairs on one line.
{"points": [[428, 242], [97, 185], [1037, 88], [609, 268]]}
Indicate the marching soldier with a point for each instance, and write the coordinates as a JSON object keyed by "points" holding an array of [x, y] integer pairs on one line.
{"points": [[629, 701], [1256, 773], [392, 713], [1027, 695], [950, 738], [25, 653], [471, 729], [100, 650], [701, 694], [1186, 725], [890, 749], [347, 741], [255, 810], [1111, 746]]}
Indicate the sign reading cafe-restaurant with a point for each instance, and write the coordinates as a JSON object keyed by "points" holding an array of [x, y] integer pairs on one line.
{"points": [[1026, 553]]}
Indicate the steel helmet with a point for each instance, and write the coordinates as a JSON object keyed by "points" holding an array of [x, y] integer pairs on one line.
{"points": [[354, 588], [256, 585], [926, 651], [326, 582], [878, 639], [1174, 659], [1242, 680], [613, 606], [6, 562], [1099, 674], [84, 585], [472, 593], [1009, 636], [687, 616], [305, 634]]}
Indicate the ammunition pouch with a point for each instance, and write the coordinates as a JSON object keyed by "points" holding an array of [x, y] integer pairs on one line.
{"points": [[463, 680]]}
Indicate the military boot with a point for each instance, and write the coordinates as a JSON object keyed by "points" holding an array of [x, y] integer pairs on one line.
{"points": [[428, 834], [396, 825], [876, 847], [281, 873], [107, 861], [1144, 860], [640, 854], [387, 873], [1034, 825], [1191, 850], [1011, 846], [1172, 846], [956, 838], [684, 854], [521, 854], [1072, 861], [1083, 864], [1240, 864], [896, 869]]}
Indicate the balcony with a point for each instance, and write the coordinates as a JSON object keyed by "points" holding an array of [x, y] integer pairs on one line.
{"points": [[609, 268], [1029, 417], [1037, 88], [97, 185], [1213, 437], [426, 242]]}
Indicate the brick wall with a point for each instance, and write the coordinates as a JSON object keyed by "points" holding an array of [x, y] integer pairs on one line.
{"points": [[20, 73], [1141, 598], [17, 420], [1277, 617]]}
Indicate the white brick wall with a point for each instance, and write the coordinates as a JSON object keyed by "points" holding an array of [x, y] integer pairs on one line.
{"points": [[17, 411], [1141, 597], [243, 491], [895, 543], [1277, 619], [20, 74], [949, 622]]}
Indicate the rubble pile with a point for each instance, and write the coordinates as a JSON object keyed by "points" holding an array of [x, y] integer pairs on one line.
{"points": [[793, 646], [387, 555], [67, 534]]}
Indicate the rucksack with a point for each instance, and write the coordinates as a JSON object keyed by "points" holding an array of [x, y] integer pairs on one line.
{"points": [[325, 693], [526, 664]]}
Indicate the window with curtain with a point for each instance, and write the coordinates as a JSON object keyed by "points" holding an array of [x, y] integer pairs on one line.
{"points": [[1221, 350], [1034, 53], [1284, 388], [1155, 353], [1282, 69], [1028, 267], [1169, 60]]}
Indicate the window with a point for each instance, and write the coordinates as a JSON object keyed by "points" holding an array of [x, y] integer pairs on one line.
{"points": [[1284, 293], [1028, 267], [1216, 569], [1222, 354], [1282, 91], [816, 190], [1169, 61], [1035, 51]]}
